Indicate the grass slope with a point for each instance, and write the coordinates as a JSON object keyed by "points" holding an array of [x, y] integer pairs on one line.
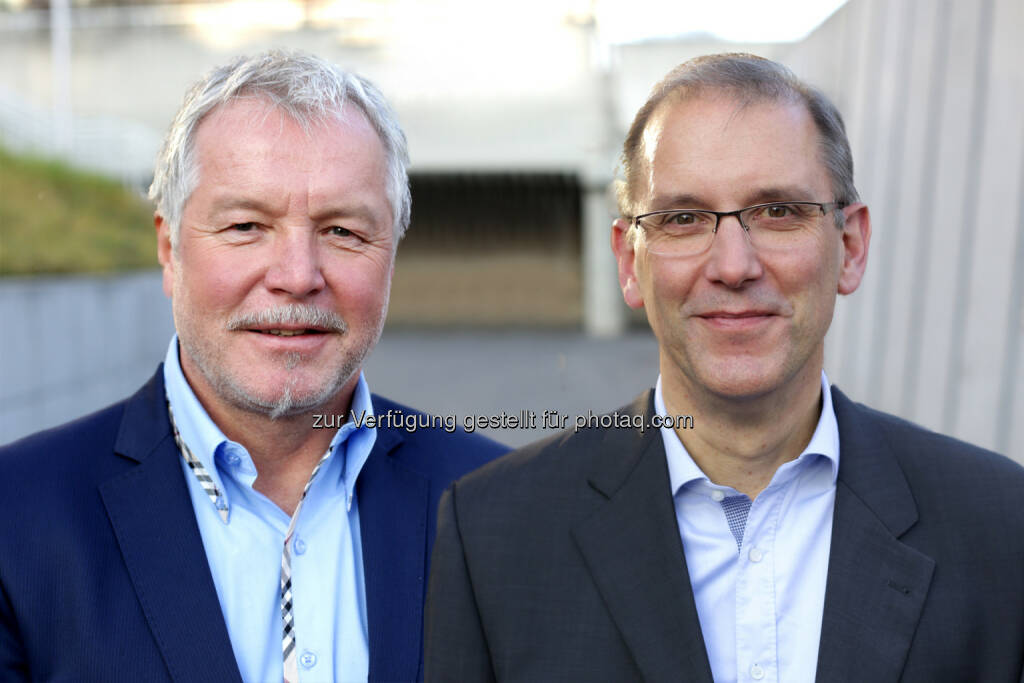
{"points": [[55, 219]]}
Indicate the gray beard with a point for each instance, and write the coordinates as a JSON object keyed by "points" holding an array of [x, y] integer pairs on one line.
{"points": [[286, 404]]}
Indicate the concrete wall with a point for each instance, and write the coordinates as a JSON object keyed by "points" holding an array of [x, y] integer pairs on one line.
{"points": [[79, 344], [73, 345], [932, 92]]}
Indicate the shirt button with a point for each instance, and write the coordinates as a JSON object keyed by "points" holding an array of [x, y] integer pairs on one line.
{"points": [[756, 672], [299, 546], [307, 659], [234, 460], [717, 496], [756, 555]]}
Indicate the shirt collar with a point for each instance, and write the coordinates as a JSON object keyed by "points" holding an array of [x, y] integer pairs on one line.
{"points": [[205, 439], [682, 470]]}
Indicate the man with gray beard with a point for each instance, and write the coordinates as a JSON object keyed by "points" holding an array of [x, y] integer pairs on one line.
{"points": [[205, 529]]}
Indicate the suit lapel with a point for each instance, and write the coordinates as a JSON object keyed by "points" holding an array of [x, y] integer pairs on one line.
{"points": [[393, 504], [633, 551], [876, 584], [152, 517]]}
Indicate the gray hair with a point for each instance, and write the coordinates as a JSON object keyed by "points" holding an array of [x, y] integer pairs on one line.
{"points": [[749, 79], [310, 90]]}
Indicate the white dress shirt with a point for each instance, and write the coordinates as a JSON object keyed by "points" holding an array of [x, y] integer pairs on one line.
{"points": [[760, 604]]}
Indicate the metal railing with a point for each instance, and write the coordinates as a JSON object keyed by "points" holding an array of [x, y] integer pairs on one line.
{"points": [[117, 148]]}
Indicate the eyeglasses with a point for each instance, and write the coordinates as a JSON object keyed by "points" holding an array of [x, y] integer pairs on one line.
{"points": [[688, 232]]}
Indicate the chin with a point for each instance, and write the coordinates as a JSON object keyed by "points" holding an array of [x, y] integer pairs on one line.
{"points": [[746, 378], [288, 401], [280, 394]]}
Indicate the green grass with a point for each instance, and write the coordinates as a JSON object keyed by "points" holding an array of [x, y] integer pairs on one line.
{"points": [[56, 219]]}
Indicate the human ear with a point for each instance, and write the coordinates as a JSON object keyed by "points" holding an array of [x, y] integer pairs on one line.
{"points": [[164, 252], [624, 248], [856, 237]]}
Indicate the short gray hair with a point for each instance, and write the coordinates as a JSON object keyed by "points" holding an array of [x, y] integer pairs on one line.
{"points": [[749, 79], [310, 90]]}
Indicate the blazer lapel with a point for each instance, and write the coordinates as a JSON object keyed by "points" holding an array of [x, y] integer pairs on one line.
{"points": [[633, 551], [393, 503], [876, 584], [152, 517]]}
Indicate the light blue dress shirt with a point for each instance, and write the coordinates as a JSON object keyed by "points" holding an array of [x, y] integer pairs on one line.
{"points": [[245, 552], [760, 608]]}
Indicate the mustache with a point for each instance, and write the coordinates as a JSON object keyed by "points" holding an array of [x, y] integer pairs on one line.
{"points": [[306, 315]]}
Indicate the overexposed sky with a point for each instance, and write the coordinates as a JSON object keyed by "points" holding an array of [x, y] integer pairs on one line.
{"points": [[756, 21], [619, 21]]}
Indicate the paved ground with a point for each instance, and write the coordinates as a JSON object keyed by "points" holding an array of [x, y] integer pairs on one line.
{"points": [[484, 373], [81, 343]]}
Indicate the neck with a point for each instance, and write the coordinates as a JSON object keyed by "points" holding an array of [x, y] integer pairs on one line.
{"points": [[284, 450], [742, 442]]}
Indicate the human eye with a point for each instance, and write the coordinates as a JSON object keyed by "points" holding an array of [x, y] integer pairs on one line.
{"points": [[347, 238], [242, 232], [680, 222], [778, 216], [682, 218]]}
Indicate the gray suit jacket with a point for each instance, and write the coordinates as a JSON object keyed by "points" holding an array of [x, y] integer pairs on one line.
{"points": [[563, 562]]}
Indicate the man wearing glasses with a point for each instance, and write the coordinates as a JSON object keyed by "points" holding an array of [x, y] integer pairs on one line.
{"points": [[785, 533]]}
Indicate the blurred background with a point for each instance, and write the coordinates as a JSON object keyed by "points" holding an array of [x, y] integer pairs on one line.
{"points": [[505, 296]]}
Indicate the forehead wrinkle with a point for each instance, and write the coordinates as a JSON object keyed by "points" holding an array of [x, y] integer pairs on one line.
{"points": [[231, 202], [345, 210], [255, 109], [275, 132]]}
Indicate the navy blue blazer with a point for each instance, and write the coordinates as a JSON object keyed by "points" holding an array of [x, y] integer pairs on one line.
{"points": [[103, 575]]}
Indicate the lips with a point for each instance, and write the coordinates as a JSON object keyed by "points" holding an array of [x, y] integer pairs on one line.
{"points": [[288, 333], [278, 338], [289, 320], [730, 315], [737, 321]]}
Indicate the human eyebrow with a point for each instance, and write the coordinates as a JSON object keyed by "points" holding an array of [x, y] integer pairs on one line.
{"points": [[676, 201], [780, 194], [765, 195], [226, 204], [361, 213]]}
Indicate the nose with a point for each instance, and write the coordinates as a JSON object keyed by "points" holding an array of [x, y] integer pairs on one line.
{"points": [[732, 259], [295, 265]]}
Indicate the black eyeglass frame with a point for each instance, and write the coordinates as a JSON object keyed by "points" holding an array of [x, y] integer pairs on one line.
{"points": [[824, 207]]}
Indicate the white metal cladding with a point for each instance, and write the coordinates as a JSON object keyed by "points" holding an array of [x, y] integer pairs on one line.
{"points": [[932, 94]]}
